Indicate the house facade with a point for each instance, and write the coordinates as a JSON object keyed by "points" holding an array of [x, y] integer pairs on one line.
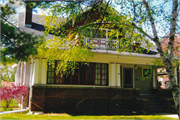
{"points": [[109, 82]]}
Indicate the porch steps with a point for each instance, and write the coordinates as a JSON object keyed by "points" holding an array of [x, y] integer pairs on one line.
{"points": [[153, 104]]}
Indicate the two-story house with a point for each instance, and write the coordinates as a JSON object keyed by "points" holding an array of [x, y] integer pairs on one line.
{"points": [[109, 82]]}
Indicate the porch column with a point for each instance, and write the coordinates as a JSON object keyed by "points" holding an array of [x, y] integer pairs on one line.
{"points": [[43, 72], [118, 76], [154, 79], [30, 82], [27, 73], [21, 73], [175, 74], [26, 82], [113, 74], [17, 75], [36, 73]]}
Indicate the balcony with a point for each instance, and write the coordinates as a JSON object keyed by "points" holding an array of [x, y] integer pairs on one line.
{"points": [[103, 43]]}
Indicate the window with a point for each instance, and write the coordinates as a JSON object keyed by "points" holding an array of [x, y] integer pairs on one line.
{"points": [[84, 74], [167, 84]]}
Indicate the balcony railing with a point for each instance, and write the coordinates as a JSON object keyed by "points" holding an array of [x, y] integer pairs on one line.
{"points": [[101, 43]]}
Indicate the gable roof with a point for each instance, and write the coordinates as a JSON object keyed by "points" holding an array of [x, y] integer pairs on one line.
{"points": [[37, 29]]}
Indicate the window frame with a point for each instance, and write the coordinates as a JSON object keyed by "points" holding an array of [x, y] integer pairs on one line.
{"points": [[87, 80]]}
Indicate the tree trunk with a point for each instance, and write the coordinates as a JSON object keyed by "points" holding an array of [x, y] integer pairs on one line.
{"points": [[7, 104], [173, 87]]}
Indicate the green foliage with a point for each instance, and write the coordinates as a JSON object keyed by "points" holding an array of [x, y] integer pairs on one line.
{"points": [[7, 74], [16, 45], [70, 32], [13, 103]]}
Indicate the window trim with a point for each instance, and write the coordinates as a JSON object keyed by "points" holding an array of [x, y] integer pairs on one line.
{"points": [[79, 81]]}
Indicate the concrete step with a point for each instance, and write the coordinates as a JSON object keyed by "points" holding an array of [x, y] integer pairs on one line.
{"points": [[153, 104]]}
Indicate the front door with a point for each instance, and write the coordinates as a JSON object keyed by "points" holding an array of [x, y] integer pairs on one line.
{"points": [[128, 77]]}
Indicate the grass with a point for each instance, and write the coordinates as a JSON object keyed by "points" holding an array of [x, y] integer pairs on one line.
{"points": [[52, 116], [9, 109], [13, 103]]}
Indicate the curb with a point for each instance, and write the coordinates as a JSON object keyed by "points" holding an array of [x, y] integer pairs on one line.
{"points": [[14, 111]]}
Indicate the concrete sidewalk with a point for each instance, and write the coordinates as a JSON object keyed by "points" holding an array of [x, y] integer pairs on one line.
{"points": [[168, 115], [14, 111]]}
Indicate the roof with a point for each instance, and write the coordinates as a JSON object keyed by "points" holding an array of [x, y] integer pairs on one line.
{"points": [[38, 27], [126, 53]]}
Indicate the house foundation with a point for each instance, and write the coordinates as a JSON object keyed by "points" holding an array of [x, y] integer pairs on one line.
{"points": [[83, 100]]}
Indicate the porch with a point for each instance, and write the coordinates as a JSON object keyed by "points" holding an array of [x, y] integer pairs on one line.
{"points": [[84, 100]]}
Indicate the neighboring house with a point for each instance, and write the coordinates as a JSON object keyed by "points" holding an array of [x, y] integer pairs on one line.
{"points": [[109, 82], [162, 74]]}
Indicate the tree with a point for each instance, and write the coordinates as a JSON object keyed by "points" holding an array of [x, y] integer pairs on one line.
{"points": [[145, 14], [135, 21], [16, 45], [11, 92], [6, 73]]}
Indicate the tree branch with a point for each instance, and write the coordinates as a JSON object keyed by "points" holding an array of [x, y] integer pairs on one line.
{"points": [[142, 31], [103, 16], [9, 40], [156, 39], [173, 29], [10, 23]]}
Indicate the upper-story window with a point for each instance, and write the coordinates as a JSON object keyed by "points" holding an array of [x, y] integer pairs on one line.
{"points": [[85, 74]]}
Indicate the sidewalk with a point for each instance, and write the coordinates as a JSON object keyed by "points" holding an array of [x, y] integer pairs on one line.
{"points": [[14, 111], [168, 115]]}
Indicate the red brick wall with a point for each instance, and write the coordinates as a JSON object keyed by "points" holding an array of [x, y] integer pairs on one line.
{"points": [[176, 44]]}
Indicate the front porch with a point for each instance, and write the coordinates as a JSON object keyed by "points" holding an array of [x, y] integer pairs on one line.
{"points": [[84, 100]]}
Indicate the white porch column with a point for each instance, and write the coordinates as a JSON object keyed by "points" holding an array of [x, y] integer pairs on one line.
{"points": [[30, 82], [21, 73], [118, 76], [36, 72], [27, 73], [17, 75], [26, 82], [43, 72], [113, 75], [154, 79], [175, 74]]}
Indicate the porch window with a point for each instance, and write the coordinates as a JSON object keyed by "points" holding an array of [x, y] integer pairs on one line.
{"points": [[84, 74]]}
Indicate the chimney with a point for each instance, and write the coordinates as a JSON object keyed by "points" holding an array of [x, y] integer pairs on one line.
{"points": [[28, 15]]}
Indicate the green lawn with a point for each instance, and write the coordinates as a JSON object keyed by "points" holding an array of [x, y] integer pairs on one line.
{"points": [[3, 104], [13, 103], [52, 116]]}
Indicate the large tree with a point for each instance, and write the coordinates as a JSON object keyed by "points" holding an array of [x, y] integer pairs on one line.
{"points": [[16, 45], [151, 18], [134, 20]]}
